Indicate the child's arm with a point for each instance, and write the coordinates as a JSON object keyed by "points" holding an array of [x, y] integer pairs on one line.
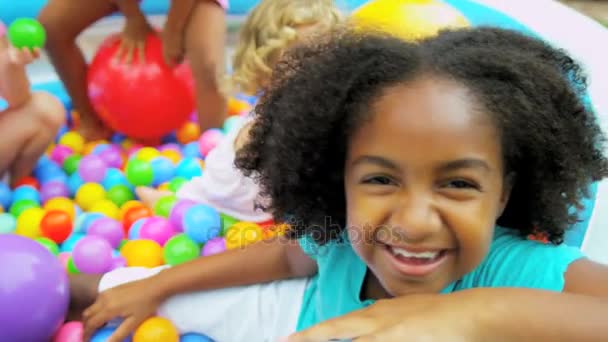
{"points": [[175, 29], [135, 31], [14, 84]]}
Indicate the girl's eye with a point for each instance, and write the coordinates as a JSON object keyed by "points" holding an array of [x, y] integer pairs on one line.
{"points": [[462, 184], [378, 180]]}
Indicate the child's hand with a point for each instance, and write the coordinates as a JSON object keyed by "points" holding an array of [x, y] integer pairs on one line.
{"points": [[134, 36], [22, 57], [132, 302], [452, 317], [173, 46]]}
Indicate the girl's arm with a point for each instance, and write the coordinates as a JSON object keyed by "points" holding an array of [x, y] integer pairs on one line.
{"points": [[130, 9], [179, 15], [14, 84]]}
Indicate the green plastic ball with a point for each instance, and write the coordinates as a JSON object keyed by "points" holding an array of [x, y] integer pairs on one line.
{"points": [[180, 249], [27, 32], [20, 206], [72, 269], [177, 183], [49, 244], [120, 194], [70, 164], [232, 123], [164, 205], [227, 222], [139, 172]]}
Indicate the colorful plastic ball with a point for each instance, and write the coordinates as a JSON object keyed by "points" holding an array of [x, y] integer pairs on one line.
{"points": [[99, 148], [172, 146], [173, 156], [214, 246], [108, 229], [163, 170], [177, 213], [92, 168], [136, 227], [209, 140], [74, 183], [112, 156], [157, 229], [50, 173], [92, 254], [189, 168], [69, 332], [164, 205], [69, 244], [106, 207], [103, 334], [26, 192], [114, 177], [31, 181], [20, 206], [176, 183], [8, 223], [227, 222], [156, 329], [191, 150], [147, 154], [6, 195], [143, 253], [34, 297], [86, 220], [118, 262], [189, 132], [71, 266], [242, 234], [202, 223], [49, 244], [73, 140], [128, 205], [53, 189], [60, 153], [70, 164], [180, 249], [26, 32], [193, 337], [89, 194], [28, 223], [56, 225], [120, 194], [139, 172], [133, 215], [62, 204], [118, 138]]}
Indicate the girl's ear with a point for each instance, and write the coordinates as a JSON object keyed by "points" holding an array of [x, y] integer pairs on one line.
{"points": [[508, 184]]}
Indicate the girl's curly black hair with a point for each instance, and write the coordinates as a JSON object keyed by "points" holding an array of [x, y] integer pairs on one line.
{"points": [[320, 94]]}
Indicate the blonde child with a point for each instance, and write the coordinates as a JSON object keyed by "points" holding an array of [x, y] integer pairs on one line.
{"points": [[32, 119], [272, 27], [194, 30], [411, 175]]}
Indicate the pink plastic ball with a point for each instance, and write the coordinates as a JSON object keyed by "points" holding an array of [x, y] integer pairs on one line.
{"points": [[64, 257], [92, 169], [69, 332], [118, 262], [133, 150], [112, 156], [108, 229], [60, 153], [170, 146], [93, 255], [214, 246], [209, 140], [157, 229], [177, 213]]}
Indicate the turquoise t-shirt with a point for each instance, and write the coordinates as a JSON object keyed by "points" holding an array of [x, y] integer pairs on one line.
{"points": [[511, 262]]}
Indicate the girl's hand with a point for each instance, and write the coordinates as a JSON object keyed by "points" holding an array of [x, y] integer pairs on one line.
{"points": [[133, 40], [132, 302], [22, 57], [427, 318], [173, 46]]}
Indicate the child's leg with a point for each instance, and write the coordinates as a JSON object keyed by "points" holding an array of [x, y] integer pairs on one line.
{"points": [[64, 20], [26, 133], [149, 196], [205, 39]]}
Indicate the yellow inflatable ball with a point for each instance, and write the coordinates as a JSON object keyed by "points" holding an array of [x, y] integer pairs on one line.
{"points": [[89, 194], [142, 253], [105, 207], [408, 19]]}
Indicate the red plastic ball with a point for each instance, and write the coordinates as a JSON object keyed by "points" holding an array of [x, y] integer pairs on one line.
{"points": [[31, 181], [142, 99], [133, 215], [56, 225]]}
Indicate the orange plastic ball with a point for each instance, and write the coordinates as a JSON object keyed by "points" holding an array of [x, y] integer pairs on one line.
{"points": [[237, 106], [188, 133], [172, 155], [242, 234], [126, 206], [133, 215], [56, 225], [143, 253], [156, 329]]}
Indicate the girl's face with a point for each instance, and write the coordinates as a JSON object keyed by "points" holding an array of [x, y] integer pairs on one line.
{"points": [[424, 186]]}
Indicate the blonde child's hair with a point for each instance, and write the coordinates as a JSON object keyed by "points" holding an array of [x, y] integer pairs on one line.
{"points": [[268, 30]]}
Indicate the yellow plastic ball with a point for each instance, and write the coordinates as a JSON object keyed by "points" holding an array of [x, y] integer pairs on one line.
{"points": [[28, 223], [172, 155], [73, 140], [105, 207], [164, 187], [126, 206], [89, 194], [147, 153], [242, 234], [144, 253], [156, 329], [408, 19], [62, 204], [1, 209]]}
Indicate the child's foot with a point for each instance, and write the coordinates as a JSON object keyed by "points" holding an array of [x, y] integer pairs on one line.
{"points": [[149, 196], [92, 128], [83, 291]]}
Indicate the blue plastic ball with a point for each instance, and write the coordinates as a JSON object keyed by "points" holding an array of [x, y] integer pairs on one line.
{"points": [[202, 223], [103, 334], [26, 192], [136, 227], [191, 150], [6, 195], [189, 168], [114, 177], [7, 223], [70, 242], [192, 337], [162, 169], [88, 220], [118, 138], [74, 183]]}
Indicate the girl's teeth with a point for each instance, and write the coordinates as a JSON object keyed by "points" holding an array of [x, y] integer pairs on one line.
{"points": [[422, 255]]}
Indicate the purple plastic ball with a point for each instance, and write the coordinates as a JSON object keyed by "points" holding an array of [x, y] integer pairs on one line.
{"points": [[157, 229], [92, 254], [170, 146], [34, 290], [177, 213], [60, 153], [118, 262], [53, 189], [107, 229], [214, 246], [92, 168], [112, 156]]}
